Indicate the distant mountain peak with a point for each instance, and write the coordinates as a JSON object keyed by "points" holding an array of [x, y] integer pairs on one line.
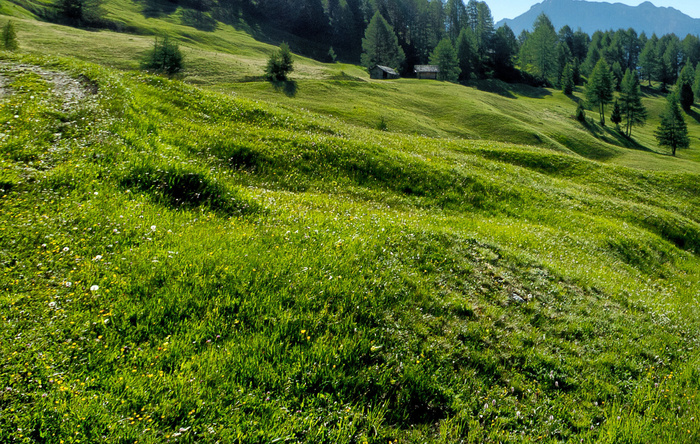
{"points": [[594, 16]]}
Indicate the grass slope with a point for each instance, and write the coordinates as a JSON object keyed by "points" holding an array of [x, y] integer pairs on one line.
{"points": [[181, 265], [229, 59], [252, 262]]}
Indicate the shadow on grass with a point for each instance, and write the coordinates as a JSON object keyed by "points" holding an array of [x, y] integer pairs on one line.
{"points": [[613, 135], [157, 8], [495, 87], [694, 114], [289, 87], [199, 20], [510, 90]]}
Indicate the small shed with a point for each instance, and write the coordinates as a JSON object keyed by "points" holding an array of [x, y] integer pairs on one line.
{"points": [[426, 71], [382, 72]]}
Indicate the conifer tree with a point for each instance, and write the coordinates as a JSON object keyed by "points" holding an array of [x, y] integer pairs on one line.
{"points": [[617, 75], [581, 113], [466, 53], [631, 98], [280, 64], [696, 83], [380, 45], [165, 57], [649, 59], [599, 91], [616, 116], [684, 87], [538, 52], [9, 37], [567, 80], [445, 57], [672, 132]]}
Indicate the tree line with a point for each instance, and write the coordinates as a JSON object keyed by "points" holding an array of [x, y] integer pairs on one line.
{"points": [[462, 40], [419, 26]]}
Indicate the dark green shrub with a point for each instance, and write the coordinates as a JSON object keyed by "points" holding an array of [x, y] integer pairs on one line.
{"points": [[581, 113], [165, 58], [9, 37], [280, 64]]}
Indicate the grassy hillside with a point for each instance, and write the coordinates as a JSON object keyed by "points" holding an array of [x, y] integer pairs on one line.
{"points": [[184, 264], [230, 59]]}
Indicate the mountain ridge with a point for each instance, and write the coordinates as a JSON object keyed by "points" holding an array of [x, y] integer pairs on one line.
{"points": [[594, 16]]}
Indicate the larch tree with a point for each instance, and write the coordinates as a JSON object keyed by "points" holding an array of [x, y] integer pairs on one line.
{"points": [[673, 131], [631, 102], [538, 53], [649, 59], [445, 57], [467, 53], [567, 80], [616, 115], [599, 89], [684, 87], [696, 83], [380, 46]]}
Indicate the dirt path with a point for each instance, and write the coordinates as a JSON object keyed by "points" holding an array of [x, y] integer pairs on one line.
{"points": [[69, 90]]}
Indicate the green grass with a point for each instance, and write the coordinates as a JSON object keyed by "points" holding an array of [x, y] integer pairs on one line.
{"points": [[245, 262], [186, 265], [229, 59]]}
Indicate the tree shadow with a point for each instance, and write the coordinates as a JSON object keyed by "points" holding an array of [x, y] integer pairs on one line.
{"points": [[157, 8], [198, 20], [510, 90], [288, 87], [626, 141], [613, 135], [494, 87], [694, 114]]}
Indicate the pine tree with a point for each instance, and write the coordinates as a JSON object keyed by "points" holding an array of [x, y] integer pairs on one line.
{"points": [[672, 132], [165, 57], [9, 37], [684, 87], [466, 53], [696, 84], [567, 80], [581, 113], [631, 98], [617, 75], [616, 116], [380, 45], [505, 48], [599, 91], [538, 53], [456, 18], [445, 57], [649, 59], [280, 64]]}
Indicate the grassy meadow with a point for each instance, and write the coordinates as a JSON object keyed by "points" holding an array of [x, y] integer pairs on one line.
{"points": [[234, 261]]}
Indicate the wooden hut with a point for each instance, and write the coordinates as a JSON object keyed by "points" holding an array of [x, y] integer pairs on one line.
{"points": [[426, 71], [383, 72]]}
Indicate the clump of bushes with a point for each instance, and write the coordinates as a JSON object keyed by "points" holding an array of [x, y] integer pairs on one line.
{"points": [[164, 58]]}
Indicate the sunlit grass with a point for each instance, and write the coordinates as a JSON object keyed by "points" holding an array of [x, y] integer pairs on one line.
{"points": [[183, 265]]}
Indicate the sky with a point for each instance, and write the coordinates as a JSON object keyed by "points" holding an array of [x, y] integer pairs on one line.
{"points": [[501, 9]]}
